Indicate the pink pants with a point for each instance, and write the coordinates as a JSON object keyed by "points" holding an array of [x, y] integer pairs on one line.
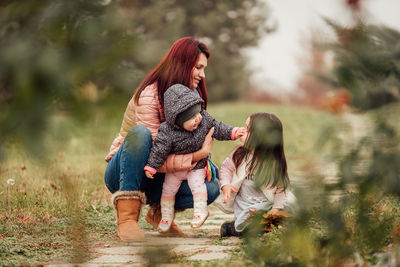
{"points": [[174, 179]]}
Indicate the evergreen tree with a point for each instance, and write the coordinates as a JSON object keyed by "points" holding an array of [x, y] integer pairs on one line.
{"points": [[368, 58]]}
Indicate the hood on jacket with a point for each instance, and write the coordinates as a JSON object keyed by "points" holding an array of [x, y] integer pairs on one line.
{"points": [[178, 98]]}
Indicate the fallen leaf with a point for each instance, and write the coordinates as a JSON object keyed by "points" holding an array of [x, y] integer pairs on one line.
{"points": [[54, 186]]}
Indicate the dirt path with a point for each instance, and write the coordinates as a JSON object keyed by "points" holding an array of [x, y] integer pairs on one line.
{"points": [[202, 244]]}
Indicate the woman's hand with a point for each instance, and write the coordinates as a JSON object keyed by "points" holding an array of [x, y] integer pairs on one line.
{"points": [[208, 142], [273, 212], [226, 190], [205, 149]]}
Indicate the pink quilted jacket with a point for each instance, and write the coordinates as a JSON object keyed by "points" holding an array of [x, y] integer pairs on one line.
{"points": [[149, 113]]}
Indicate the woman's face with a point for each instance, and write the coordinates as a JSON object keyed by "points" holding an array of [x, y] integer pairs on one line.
{"points": [[198, 71]]}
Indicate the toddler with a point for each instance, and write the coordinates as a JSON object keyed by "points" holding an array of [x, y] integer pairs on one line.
{"points": [[184, 131]]}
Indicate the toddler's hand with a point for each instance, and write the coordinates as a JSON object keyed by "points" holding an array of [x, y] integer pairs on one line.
{"points": [[148, 175], [226, 190]]}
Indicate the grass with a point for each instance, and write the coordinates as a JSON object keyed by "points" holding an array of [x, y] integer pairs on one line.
{"points": [[59, 193], [59, 203]]}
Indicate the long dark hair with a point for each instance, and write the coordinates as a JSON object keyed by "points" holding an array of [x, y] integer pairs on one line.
{"points": [[176, 67], [263, 151]]}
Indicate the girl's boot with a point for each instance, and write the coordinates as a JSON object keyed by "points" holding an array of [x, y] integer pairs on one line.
{"points": [[200, 212], [228, 229], [167, 215]]}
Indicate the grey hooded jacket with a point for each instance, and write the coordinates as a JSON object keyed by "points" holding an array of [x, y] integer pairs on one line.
{"points": [[172, 139]]}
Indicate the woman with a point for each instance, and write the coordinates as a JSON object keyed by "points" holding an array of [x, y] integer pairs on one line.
{"points": [[184, 63]]}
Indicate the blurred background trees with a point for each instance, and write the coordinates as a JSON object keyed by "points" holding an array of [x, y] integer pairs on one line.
{"points": [[70, 54], [227, 27]]}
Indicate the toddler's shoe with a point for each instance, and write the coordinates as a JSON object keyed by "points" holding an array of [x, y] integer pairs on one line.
{"points": [[167, 216], [164, 225], [200, 212], [198, 220]]}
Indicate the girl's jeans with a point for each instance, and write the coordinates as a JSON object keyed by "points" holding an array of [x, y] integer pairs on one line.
{"points": [[124, 172]]}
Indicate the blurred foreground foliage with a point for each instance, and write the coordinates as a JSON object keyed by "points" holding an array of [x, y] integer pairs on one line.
{"points": [[353, 218], [72, 55], [50, 51]]}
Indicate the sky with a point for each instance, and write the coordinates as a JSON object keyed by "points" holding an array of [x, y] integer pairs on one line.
{"points": [[275, 62]]}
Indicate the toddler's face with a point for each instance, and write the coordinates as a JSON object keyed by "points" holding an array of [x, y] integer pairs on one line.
{"points": [[243, 137], [192, 123]]}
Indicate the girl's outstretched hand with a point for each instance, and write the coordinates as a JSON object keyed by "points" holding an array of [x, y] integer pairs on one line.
{"points": [[241, 132], [273, 212], [226, 190]]}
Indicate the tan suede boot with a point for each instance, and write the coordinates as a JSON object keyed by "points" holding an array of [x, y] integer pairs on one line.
{"points": [[153, 217], [127, 205]]}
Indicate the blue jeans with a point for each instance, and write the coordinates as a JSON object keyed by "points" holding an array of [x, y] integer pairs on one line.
{"points": [[124, 172]]}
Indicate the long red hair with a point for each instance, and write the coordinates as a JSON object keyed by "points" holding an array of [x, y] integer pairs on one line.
{"points": [[176, 67]]}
